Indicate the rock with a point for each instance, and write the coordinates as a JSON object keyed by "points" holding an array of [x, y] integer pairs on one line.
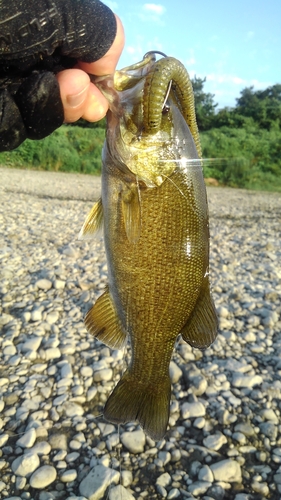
{"points": [[245, 428], [52, 317], [58, 441], [195, 380], [193, 410], [41, 448], [94, 485], [36, 315], [103, 375], [215, 441], [261, 488], [126, 478], [68, 476], [199, 488], [86, 371], [205, 474], [174, 493], [164, 480], [28, 439], [32, 344], [44, 284], [250, 381], [269, 414], [134, 441], [73, 409], [120, 492], [227, 471], [26, 464], [269, 429], [43, 477], [175, 372]]}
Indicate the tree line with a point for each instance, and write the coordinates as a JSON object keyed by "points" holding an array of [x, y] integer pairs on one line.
{"points": [[245, 140], [247, 137]]}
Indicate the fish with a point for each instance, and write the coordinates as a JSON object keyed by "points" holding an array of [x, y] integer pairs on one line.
{"points": [[154, 213]]}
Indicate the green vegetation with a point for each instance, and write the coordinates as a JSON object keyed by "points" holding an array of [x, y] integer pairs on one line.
{"points": [[68, 149], [246, 139]]}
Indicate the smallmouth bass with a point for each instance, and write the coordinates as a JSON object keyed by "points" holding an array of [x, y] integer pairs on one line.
{"points": [[156, 234]]}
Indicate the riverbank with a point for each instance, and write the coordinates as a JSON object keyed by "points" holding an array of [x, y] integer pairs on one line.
{"points": [[224, 438]]}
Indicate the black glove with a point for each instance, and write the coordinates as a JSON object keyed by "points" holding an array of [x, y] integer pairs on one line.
{"points": [[38, 38]]}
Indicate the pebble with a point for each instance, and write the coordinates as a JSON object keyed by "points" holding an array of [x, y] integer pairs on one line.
{"points": [[215, 441], [228, 471], [193, 410], [239, 380], [175, 372], [94, 485], [43, 284], [28, 439], [25, 464], [134, 441], [55, 377], [68, 476], [43, 477], [120, 492]]}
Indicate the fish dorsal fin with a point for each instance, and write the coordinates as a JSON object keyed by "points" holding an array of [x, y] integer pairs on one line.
{"points": [[201, 328], [131, 209], [93, 222], [102, 322]]}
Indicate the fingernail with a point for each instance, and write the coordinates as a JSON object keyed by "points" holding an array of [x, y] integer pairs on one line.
{"points": [[75, 100]]}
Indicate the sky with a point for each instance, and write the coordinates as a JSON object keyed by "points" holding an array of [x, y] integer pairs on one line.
{"points": [[233, 43]]}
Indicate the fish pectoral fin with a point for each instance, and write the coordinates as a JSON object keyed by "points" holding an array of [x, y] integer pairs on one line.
{"points": [[102, 322], [93, 222], [131, 209], [142, 401], [201, 328]]}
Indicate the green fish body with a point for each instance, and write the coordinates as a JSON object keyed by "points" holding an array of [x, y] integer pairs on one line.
{"points": [[155, 215]]}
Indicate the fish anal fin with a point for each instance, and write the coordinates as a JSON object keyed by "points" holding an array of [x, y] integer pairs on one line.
{"points": [[102, 322], [201, 328], [145, 402], [131, 209], [93, 222]]}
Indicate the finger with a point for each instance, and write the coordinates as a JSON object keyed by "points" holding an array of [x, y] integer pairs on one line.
{"points": [[80, 97], [107, 64]]}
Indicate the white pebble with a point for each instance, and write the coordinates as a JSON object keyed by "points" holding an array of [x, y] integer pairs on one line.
{"points": [[43, 476], [68, 476]]}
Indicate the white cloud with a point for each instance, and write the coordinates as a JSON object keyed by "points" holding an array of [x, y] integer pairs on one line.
{"points": [[155, 8], [142, 46], [227, 87], [225, 78], [152, 12]]}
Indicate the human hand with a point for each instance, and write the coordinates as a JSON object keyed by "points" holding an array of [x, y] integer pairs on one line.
{"points": [[37, 44], [80, 97]]}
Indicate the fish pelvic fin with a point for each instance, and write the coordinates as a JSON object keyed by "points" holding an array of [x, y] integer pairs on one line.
{"points": [[93, 222], [145, 402], [102, 322], [201, 328]]}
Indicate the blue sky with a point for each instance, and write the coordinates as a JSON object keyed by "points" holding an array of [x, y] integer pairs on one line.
{"points": [[235, 44]]}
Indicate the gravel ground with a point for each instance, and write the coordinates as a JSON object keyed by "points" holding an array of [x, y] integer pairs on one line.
{"points": [[224, 437]]}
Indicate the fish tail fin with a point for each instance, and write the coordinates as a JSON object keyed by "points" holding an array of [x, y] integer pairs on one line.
{"points": [[145, 402]]}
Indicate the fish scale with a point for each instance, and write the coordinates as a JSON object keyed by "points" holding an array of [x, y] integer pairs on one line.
{"points": [[156, 237]]}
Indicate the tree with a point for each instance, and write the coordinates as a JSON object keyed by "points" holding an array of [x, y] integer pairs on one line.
{"points": [[264, 106], [205, 107]]}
